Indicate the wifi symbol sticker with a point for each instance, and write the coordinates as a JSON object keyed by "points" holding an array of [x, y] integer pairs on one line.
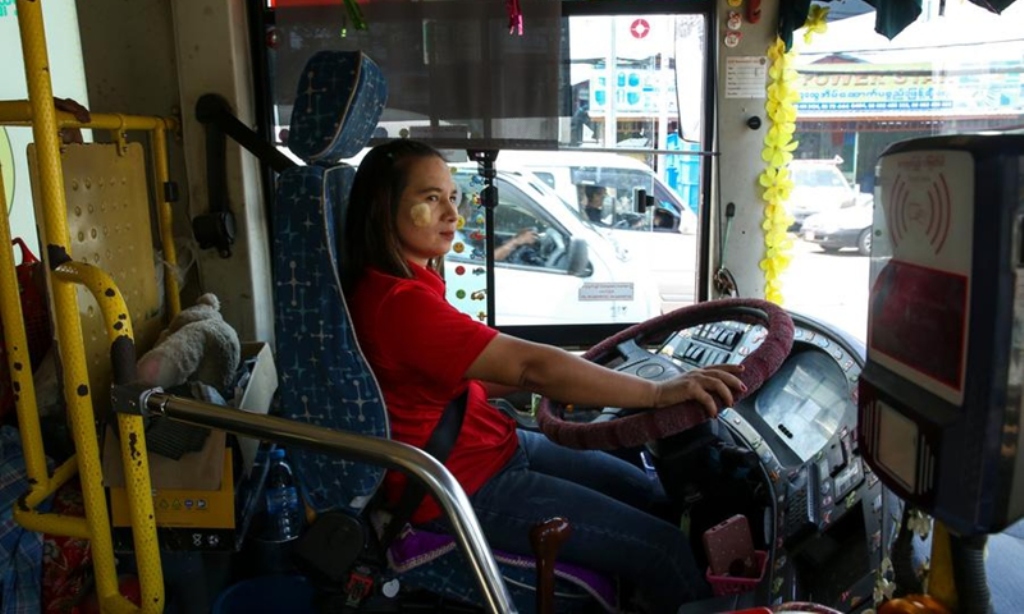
{"points": [[926, 215]]}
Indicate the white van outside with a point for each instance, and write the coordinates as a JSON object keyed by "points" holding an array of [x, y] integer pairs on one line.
{"points": [[818, 187], [565, 171], [669, 254], [571, 274]]}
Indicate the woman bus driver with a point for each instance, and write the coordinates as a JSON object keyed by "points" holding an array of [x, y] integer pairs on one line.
{"points": [[401, 221]]}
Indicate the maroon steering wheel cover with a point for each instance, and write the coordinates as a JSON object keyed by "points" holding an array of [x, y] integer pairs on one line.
{"points": [[642, 427]]}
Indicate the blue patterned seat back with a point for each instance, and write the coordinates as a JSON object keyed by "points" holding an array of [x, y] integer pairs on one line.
{"points": [[325, 380], [338, 103]]}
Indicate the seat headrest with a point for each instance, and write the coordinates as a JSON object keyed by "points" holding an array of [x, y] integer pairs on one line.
{"points": [[339, 101]]}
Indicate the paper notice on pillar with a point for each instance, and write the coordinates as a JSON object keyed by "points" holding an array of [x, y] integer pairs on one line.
{"points": [[611, 291], [746, 76]]}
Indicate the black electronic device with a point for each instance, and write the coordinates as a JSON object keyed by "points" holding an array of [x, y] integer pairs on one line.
{"points": [[940, 395]]}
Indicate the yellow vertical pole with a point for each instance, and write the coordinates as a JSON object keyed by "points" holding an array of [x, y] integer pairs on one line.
{"points": [[941, 581], [166, 216], [69, 329], [18, 359]]}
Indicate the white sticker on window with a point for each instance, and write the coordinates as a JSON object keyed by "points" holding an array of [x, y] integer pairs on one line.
{"points": [[614, 291]]}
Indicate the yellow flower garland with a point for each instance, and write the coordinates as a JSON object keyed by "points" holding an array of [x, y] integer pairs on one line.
{"points": [[782, 96]]}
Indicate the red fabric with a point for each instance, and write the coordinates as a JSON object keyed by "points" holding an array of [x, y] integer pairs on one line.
{"points": [[420, 347], [67, 561]]}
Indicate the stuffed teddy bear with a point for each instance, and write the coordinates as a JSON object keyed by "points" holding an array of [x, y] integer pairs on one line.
{"points": [[198, 345]]}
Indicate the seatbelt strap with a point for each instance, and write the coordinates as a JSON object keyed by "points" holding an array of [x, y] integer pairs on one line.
{"points": [[439, 445]]}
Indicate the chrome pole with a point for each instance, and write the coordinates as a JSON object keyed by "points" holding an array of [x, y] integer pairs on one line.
{"points": [[372, 450]]}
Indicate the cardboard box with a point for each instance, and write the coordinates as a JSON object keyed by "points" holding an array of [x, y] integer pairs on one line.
{"points": [[257, 396], [184, 507], [194, 497]]}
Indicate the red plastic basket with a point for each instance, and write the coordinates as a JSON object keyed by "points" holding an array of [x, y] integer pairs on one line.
{"points": [[730, 585]]}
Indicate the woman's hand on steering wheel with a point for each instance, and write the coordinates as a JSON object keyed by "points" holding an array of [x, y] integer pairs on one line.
{"points": [[698, 385], [684, 401]]}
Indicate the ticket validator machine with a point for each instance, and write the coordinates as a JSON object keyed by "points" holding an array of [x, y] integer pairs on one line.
{"points": [[940, 397]]}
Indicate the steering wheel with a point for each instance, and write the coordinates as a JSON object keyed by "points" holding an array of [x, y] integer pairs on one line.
{"points": [[628, 221], [639, 427], [552, 247], [525, 254], [542, 252]]}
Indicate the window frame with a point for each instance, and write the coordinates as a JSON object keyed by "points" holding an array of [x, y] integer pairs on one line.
{"points": [[576, 336]]}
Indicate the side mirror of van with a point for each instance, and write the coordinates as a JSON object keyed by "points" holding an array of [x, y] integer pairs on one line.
{"points": [[579, 259]]}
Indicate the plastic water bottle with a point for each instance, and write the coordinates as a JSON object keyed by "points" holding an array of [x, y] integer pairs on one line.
{"points": [[284, 511]]}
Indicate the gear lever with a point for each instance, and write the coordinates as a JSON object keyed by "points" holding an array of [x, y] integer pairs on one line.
{"points": [[545, 539]]}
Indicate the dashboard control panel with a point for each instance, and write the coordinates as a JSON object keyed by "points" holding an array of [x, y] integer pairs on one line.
{"points": [[802, 426]]}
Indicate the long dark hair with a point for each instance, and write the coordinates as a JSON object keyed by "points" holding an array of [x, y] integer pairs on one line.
{"points": [[371, 230]]}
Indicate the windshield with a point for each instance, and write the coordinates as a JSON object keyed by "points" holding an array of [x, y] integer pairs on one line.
{"points": [[666, 196], [620, 184], [818, 177], [546, 192], [518, 210]]}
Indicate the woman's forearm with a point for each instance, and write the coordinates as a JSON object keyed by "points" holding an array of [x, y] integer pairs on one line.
{"points": [[564, 377], [495, 390]]}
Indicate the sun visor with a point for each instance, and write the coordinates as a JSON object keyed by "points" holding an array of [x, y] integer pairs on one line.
{"points": [[456, 77]]}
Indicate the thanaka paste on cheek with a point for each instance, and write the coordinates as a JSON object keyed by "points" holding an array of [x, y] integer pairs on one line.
{"points": [[420, 215]]}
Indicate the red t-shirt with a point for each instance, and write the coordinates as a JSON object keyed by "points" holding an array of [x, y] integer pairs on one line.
{"points": [[419, 347]]}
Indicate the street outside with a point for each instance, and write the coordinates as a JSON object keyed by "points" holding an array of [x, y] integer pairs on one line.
{"points": [[829, 287]]}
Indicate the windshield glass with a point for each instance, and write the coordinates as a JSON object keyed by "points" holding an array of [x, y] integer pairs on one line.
{"points": [[817, 177], [548, 194], [638, 86]]}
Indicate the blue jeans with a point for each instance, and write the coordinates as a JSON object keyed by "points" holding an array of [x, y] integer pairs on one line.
{"points": [[604, 498]]}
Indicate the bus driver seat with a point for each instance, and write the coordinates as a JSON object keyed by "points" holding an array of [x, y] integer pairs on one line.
{"points": [[326, 381]]}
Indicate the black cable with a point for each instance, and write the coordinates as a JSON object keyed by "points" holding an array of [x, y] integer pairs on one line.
{"points": [[725, 283], [906, 579], [968, 556]]}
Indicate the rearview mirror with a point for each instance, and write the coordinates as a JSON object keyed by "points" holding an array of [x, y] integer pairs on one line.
{"points": [[579, 260], [689, 76]]}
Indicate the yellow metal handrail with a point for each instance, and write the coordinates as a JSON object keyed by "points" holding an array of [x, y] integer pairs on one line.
{"points": [[40, 113], [131, 430], [19, 113], [95, 525]]}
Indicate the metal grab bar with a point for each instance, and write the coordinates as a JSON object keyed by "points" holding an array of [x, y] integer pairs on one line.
{"points": [[373, 450]]}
